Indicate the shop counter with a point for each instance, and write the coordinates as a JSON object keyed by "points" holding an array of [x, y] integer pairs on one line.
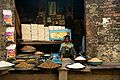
{"points": [[103, 72], [64, 72]]}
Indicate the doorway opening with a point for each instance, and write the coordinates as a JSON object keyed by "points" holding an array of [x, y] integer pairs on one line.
{"points": [[73, 10]]}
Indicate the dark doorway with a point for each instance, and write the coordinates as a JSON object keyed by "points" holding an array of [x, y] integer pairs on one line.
{"points": [[72, 9]]}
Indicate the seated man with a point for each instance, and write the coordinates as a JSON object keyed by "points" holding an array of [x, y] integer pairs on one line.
{"points": [[67, 49]]}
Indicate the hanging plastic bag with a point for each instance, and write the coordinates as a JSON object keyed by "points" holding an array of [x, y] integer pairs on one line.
{"points": [[11, 52], [10, 34], [7, 17]]}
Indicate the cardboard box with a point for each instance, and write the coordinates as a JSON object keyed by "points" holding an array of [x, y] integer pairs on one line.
{"points": [[26, 31]]}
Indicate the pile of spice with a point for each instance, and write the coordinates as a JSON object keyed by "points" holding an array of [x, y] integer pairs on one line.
{"points": [[28, 48], [49, 65], [24, 65]]}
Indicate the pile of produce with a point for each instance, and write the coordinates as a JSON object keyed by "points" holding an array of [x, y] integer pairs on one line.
{"points": [[49, 65], [31, 61], [39, 53], [80, 58], [95, 59], [5, 65], [24, 65], [28, 48], [20, 60], [75, 66]]}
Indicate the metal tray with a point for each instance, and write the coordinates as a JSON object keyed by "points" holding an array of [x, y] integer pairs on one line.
{"points": [[16, 68], [28, 50], [27, 68], [5, 68], [49, 68]]}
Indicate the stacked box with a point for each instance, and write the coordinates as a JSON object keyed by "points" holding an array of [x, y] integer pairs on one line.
{"points": [[59, 27], [55, 28], [46, 29], [51, 27], [62, 27], [40, 32], [34, 32], [26, 32]]}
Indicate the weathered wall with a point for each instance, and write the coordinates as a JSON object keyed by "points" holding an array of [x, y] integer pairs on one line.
{"points": [[108, 74], [103, 29], [95, 75], [4, 5], [30, 75]]}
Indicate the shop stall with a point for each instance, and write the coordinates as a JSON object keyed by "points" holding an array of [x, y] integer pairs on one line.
{"points": [[31, 37]]}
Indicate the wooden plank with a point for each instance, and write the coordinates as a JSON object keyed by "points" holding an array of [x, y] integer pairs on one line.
{"points": [[63, 75], [39, 42]]}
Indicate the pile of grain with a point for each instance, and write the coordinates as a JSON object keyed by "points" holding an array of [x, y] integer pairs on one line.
{"points": [[49, 65], [24, 65], [28, 48]]}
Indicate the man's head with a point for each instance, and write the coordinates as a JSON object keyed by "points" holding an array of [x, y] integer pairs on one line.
{"points": [[67, 38]]}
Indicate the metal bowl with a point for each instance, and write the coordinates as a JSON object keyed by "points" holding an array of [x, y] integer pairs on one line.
{"points": [[5, 68], [95, 63], [80, 61]]}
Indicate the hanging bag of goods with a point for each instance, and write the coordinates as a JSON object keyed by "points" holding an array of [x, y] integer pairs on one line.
{"points": [[7, 17], [10, 34], [11, 52]]}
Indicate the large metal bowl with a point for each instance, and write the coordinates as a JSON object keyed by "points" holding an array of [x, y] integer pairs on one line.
{"points": [[5, 68], [95, 63], [80, 61]]}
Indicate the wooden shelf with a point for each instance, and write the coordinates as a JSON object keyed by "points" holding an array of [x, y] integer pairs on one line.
{"points": [[38, 42]]}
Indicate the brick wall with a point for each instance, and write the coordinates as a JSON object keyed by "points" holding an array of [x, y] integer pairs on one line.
{"points": [[103, 29]]}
